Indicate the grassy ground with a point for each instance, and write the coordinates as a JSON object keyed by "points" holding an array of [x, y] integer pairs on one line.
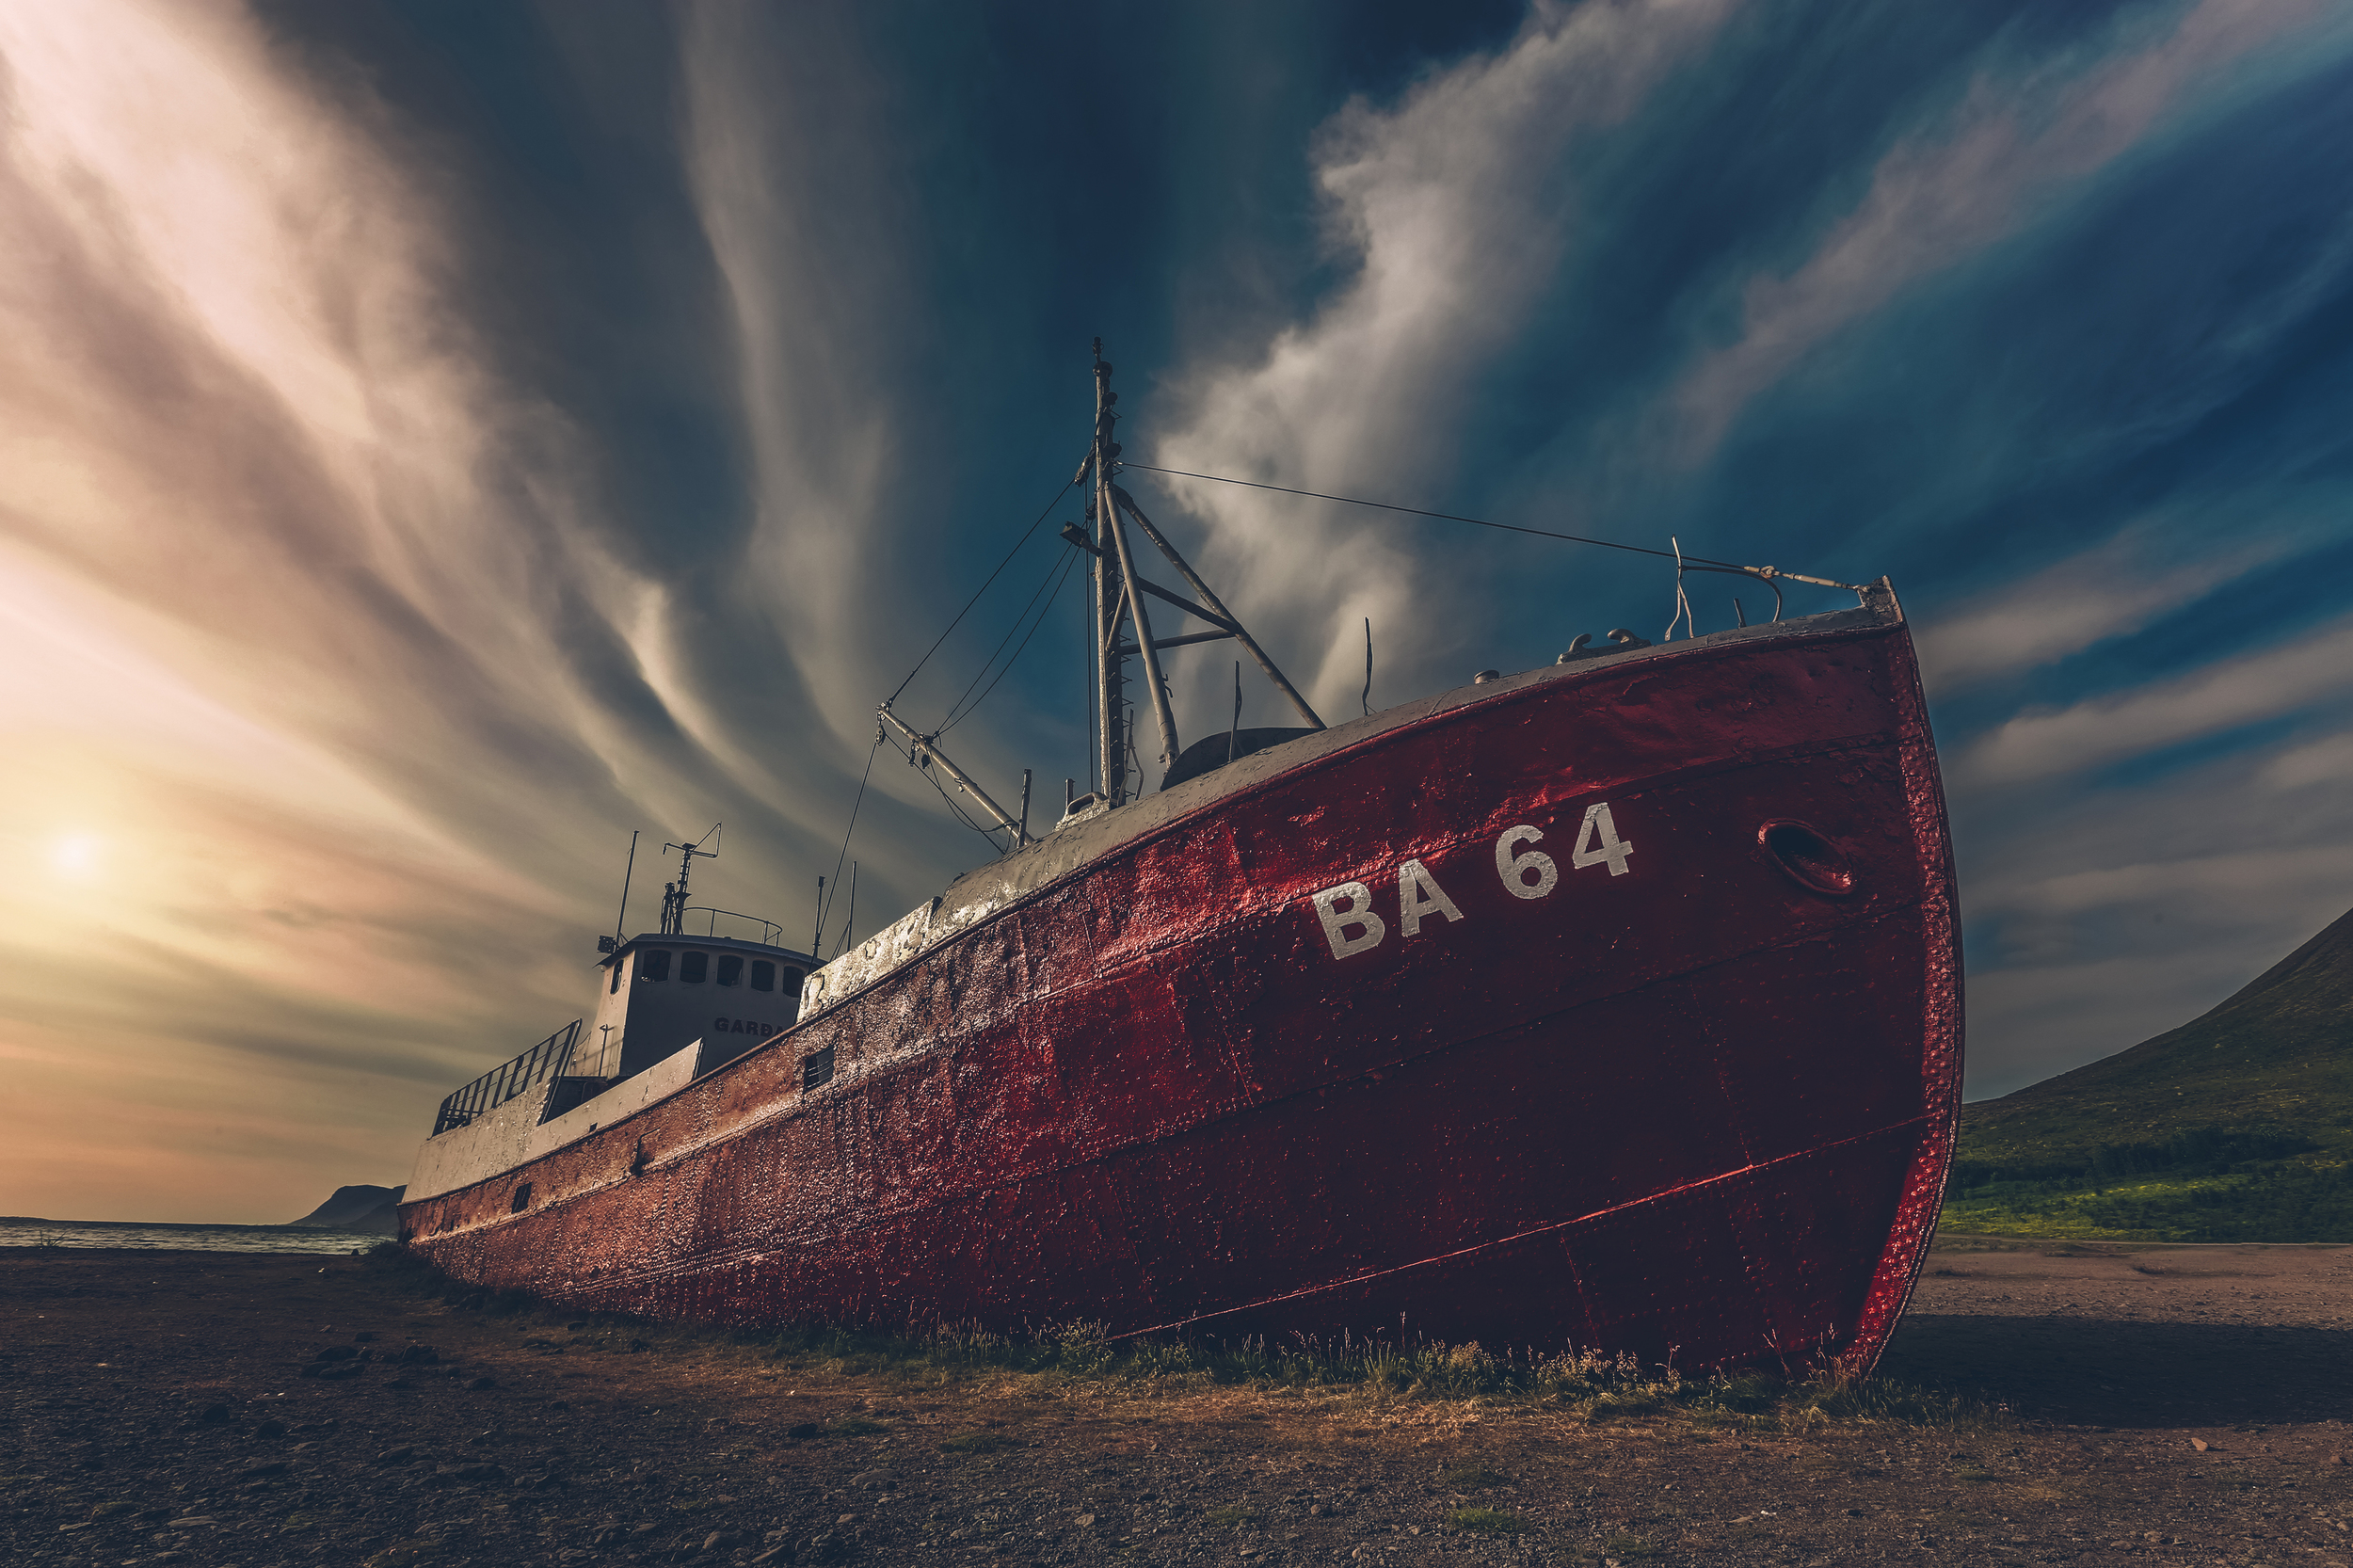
{"points": [[2289, 1188], [1592, 1388]]}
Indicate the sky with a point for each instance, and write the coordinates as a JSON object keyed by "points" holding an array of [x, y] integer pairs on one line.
{"points": [[440, 439]]}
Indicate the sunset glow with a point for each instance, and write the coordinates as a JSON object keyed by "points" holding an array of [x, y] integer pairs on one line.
{"points": [[437, 449]]}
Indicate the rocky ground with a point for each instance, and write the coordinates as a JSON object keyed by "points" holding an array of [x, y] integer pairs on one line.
{"points": [[2165, 1406]]}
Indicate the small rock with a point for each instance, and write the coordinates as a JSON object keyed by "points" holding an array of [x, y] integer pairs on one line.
{"points": [[336, 1353], [108, 1510], [2200, 1443], [478, 1384], [362, 1337], [1086, 1521], [213, 1414], [396, 1456], [724, 1541], [419, 1355], [271, 1429], [878, 1481]]}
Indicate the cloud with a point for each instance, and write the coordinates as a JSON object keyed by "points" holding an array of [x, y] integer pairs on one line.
{"points": [[1445, 209], [2221, 697], [2112, 589], [291, 573], [1942, 196], [2327, 761]]}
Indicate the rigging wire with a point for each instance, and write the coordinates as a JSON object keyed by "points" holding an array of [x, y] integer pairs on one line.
{"points": [[958, 712], [1456, 517], [988, 831], [1067, 567], [984, 588], [826, 907]]}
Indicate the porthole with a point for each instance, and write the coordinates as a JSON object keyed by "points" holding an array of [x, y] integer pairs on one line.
{"points": [[522, 1199], [1807, 857]]}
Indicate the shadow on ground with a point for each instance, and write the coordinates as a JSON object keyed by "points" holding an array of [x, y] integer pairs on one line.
{"points": [[2099, 1371]]}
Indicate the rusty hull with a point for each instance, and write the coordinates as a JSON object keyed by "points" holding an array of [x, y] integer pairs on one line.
{"points": [[1698, 1102]]}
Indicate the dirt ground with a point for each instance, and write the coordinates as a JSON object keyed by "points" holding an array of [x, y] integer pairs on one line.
{"points": [[2168, 1405]]}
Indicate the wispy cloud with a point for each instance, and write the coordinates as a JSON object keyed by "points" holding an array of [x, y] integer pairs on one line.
{"points": [[1943, 194], [2110, 590], [287, 563], [2099, 730], [1450, 223]]}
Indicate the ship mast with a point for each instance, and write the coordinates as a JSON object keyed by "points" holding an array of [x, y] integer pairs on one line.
{"points": [[1119, 594], [674, 893]]}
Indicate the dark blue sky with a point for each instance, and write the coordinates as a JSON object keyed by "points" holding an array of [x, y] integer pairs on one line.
{"points": [[590, 410]]}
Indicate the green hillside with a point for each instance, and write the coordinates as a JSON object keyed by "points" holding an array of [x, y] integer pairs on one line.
{"points": [[2236, 1126]]}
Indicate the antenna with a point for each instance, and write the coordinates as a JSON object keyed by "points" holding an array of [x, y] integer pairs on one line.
{"points": [[620, 920], [817, 942], [674, 893]]}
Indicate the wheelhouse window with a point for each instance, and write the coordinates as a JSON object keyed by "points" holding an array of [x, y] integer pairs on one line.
{"points": [[694, 967], [616, 976], [792, 983], [653, 963], [764, 975], [731, 970]]}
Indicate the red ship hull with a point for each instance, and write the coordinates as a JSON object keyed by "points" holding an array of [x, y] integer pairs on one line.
{"points": [[1693, 1098]]}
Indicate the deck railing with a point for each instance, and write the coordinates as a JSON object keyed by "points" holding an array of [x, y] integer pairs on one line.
{"points": [[544, 1061], [770, 933]]}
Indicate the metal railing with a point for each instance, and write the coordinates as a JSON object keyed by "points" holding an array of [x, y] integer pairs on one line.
{"points": [[544, 1061], [710, 927]]}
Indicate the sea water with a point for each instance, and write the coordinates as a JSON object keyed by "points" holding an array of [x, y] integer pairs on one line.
{"points": [[16, 1231]]}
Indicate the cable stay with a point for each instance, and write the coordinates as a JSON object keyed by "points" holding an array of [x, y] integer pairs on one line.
{"points": [[1121, 605]]}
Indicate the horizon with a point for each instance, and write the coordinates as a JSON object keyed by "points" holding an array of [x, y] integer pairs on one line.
{"points": [[447, 437]]}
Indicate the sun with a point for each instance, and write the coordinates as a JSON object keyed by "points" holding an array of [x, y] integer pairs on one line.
{"points": [[77, 855]]}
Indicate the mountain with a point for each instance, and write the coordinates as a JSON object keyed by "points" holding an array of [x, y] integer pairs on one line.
{"points": [[2237, 1126], [367, 1208]]}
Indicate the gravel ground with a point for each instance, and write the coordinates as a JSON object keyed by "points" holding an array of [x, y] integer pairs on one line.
{"points": [[2168, 1405]]}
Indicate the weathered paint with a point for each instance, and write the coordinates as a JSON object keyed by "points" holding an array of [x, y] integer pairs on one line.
{"points": [[1679, 1101]]}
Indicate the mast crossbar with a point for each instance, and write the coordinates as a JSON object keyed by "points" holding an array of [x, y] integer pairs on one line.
{"points": [[928, 746], [1218, 611], [1126, 650]]}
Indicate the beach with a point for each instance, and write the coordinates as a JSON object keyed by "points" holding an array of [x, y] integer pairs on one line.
{"points": [[2142, 1405]]}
